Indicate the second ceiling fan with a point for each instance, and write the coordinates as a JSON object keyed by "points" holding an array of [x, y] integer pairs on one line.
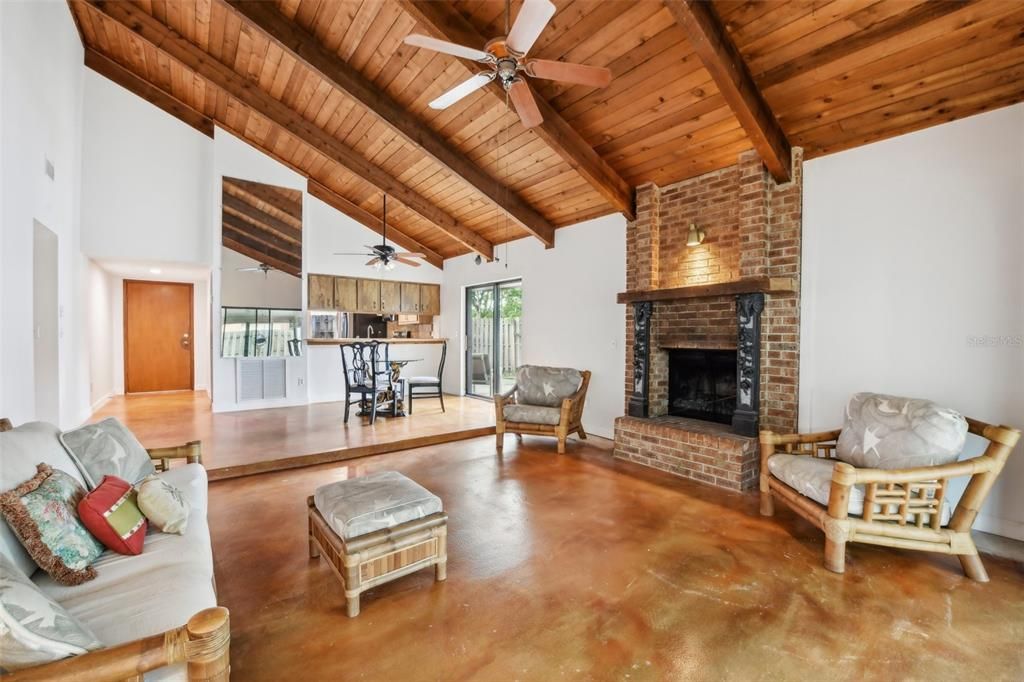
{"points": [[506, 57]]}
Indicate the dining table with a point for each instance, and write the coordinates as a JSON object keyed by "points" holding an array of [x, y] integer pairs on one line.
{"points": [[394, 368]]}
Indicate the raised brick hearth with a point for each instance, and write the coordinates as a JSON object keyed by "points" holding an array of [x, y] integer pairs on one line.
{"points": [[753, 230]]}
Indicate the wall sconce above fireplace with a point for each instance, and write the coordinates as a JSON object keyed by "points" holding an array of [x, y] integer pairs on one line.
{"points": [[695, 236]]}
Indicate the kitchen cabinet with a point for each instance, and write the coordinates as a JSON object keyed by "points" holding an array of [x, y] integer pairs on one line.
{"points": [[368, 295], [410, 298], [430, 299], [345, 295], [321, 292], [390, 297]]}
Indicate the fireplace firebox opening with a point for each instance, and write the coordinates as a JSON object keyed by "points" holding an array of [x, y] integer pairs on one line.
{"points": [[702, 384]]}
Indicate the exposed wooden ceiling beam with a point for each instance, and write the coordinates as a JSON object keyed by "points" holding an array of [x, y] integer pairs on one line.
{"points": [[309, 51], [256, 215], [260, 252], [167, 41], [260, 233], [367, 219], [444, 21], [720, 57], [291, 205], [132, 83]]}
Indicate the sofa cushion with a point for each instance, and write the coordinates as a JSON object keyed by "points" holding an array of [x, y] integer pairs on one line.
{"points": [[812, 477], [546, 386], [21, 449], [532, 414], [112, 516], [43, 513], [888, 432], [164, 505], [382, 500], [108, 447], [34, 629]]}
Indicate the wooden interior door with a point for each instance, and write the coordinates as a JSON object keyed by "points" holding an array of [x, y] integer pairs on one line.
{"points": [[158, 338]]}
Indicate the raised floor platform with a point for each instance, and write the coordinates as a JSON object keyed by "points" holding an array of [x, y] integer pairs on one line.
{"points": [[256, 441]]}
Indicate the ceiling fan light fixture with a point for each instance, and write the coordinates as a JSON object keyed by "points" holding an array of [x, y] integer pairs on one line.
{"points": [[390, 265], [695, 237]]}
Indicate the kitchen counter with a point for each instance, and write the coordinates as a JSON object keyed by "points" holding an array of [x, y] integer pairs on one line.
{"points": [[338, 342]]}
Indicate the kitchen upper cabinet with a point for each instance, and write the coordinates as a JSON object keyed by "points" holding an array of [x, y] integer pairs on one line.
{"points": [[410, 298], [430, 299], [390, 297], [345, 295], [321, 292], [368, 295]]}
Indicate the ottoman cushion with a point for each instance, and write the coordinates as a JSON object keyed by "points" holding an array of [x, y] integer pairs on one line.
{"points": [[382, 500]]}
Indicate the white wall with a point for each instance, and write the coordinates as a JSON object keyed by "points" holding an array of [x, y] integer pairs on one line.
{"points": [[326, 231], [41, 114], [912, 249], [274, 289], [145, 195], [570, 317], [234, 158], [99, 306]]}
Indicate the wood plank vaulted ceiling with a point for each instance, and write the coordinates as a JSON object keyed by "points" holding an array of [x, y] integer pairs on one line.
{"points": [[328, 88]]}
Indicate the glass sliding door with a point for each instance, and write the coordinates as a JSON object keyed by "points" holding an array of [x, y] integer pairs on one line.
{"points": [[493, 337]]}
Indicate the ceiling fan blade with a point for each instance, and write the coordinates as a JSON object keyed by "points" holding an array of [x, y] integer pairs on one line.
{"points": [[407, 261], [373, 261], [247, 269], [595, 76], [462, 90], [426, 42], [407, 254], [525, 104], [533, 17]]}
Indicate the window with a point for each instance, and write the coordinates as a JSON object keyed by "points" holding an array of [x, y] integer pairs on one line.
{"points": [[260, 332], [494, 334]]}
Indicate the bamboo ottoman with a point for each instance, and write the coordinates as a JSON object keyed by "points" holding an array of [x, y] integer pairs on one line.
{"points": [[376, 528]]}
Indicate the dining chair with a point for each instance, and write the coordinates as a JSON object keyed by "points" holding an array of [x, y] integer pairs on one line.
{"points": [[431, 384], [366, 375]]}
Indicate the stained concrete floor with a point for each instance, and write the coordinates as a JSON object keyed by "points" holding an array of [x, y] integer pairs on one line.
{"points": [[582, 567]]}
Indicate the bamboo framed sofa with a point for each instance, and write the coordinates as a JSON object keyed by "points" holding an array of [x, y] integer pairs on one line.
{"points": [[155, 613], [545, 401], [900, 455]]}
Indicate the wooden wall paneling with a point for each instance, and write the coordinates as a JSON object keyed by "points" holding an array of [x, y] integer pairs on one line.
{"points": [[180, 49]]}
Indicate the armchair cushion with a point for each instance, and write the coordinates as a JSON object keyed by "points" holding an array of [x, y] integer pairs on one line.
{"points": [[546, 386], [888, 432], [532, 414], [812, 477]]}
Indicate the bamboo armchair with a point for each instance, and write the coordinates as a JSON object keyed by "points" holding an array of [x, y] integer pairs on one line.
{"points": [[902, 507], [203, 643], [570, 419]]}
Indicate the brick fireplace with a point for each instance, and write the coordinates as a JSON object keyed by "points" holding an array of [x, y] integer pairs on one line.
{"points": [[736, 292]]}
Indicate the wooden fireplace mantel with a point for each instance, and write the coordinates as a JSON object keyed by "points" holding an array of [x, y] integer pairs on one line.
{"points": [[749, 285]]}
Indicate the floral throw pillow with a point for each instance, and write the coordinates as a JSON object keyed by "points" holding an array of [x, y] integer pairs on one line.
{"points": [[107, 447], [34, 629], [43, 513]]}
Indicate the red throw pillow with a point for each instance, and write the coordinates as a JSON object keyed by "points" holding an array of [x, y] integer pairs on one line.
{"points": [[112, 516]]}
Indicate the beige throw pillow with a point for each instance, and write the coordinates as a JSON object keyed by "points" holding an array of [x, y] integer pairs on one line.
{"points": [[163, 504]]}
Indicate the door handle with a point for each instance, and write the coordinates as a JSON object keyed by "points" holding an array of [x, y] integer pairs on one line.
{"points": [[184, 340]]}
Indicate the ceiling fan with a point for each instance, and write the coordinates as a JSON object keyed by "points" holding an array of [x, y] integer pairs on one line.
{"points": [[262, 267], [506, 57], [383, 255]]}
